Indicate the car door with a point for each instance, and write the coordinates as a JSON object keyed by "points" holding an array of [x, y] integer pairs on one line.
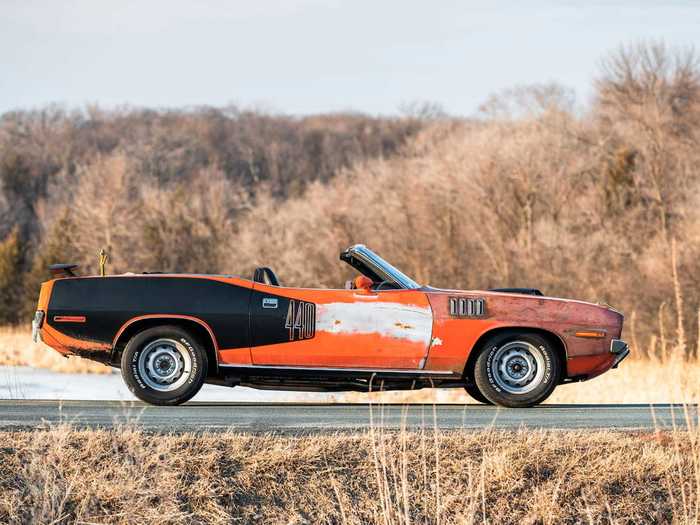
{"points": [[339, 328]]}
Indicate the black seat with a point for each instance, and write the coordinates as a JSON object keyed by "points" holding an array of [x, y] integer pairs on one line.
{"points": [[265, 275]]}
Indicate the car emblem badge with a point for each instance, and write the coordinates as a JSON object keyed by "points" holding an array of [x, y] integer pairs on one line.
{"points": [[269, 302]]}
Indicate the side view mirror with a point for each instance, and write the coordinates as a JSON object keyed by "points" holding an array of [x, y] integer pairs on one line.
{"points": [[362, 282]]}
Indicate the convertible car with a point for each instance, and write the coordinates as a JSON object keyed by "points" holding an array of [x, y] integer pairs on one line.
{"points": [[170, 333]]}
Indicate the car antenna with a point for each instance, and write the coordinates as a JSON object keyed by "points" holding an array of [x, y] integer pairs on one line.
{"points": [[103, 261]]}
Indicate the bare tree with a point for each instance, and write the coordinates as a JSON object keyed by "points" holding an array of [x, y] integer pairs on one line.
{"points": [[103, 212], [648, 98], [528, 101]]}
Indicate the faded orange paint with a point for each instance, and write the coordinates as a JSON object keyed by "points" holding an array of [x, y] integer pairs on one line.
{"points": [[452, 341], [45, 295], [67, 345], [235, 356], [351, 350], [348, 351], [590, 366], [459, 336], [323, 296]]}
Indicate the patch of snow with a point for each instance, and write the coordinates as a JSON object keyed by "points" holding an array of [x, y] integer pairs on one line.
{"points": [[37, 383]]}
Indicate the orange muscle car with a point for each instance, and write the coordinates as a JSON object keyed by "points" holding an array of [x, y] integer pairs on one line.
{"points": [[170, 333]]}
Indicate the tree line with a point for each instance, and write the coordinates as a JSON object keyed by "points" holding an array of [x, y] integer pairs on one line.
{"points": [[600, 203], [166, 184]]}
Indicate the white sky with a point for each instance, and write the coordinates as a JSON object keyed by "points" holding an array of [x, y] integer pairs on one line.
{"points": [[314, 56]]}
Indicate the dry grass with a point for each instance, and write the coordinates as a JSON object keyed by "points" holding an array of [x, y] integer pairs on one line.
{"points": [[18, 349], [644, 380], [638, 381], [62, 475]]}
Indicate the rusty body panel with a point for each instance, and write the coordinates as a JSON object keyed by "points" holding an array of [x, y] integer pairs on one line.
{"points": [[560, 317]]}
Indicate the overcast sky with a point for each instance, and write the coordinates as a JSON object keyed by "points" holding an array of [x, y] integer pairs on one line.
{"points": [[312, 56]]}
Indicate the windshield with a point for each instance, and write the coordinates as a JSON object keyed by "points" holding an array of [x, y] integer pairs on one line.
{"points": [[373, 266]]}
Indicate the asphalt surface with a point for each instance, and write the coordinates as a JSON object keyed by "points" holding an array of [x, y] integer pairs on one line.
{"points": [[305, 418]]}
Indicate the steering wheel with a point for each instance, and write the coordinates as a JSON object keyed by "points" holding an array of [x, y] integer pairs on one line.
{"points": [[379, 286]]}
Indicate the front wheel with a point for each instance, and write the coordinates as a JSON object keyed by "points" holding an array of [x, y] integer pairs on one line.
{"points": [[164, 365], [517, 370], [475, 393]]}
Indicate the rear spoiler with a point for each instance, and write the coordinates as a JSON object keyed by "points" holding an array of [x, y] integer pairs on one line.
{"points": [[62, 270]]}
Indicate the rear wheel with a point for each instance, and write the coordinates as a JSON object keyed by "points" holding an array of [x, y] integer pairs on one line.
{"points": [[517, 370], [164, 365]]}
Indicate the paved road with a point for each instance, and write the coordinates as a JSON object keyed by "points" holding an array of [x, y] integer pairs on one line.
{"points": [[301, 418]]}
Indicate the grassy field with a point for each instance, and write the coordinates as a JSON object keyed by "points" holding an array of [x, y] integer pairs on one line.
{"points": [[61, 475]]}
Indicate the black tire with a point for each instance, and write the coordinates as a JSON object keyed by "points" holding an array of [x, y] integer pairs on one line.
{"points": [[475, 393], [504, 357], [170, 346]]}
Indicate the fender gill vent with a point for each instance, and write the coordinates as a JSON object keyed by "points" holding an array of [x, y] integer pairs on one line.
{"points": [[467, 307]]}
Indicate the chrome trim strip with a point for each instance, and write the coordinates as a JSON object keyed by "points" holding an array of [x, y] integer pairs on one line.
{"points": [[325, 369]]}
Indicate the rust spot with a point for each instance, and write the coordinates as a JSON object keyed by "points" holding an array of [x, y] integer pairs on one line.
{"points": [[337, 321], [402, 325], [101, 356]]}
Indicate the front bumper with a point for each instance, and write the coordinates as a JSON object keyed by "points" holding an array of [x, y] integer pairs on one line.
{"points": [[620, 349]]}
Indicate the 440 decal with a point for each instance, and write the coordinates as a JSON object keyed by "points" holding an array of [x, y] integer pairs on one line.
{"points": [[300, 320]]}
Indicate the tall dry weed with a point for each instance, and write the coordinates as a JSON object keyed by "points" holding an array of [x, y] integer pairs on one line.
{"points": [[127, 476]]}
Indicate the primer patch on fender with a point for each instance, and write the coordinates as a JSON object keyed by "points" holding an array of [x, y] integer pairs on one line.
{"points": [[395, 320]]}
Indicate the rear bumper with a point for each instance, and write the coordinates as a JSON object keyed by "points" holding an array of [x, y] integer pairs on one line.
{"points": [[36, 325], [620, 349]]}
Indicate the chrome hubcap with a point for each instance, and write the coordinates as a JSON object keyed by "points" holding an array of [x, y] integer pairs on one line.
{"points": [[164, 365], [518, 367]]}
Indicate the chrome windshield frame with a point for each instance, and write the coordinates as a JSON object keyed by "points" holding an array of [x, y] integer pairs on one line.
{"points": [[382, 268]]}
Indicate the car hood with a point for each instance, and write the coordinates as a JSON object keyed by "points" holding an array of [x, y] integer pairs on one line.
{"points": [[521, 306]]}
